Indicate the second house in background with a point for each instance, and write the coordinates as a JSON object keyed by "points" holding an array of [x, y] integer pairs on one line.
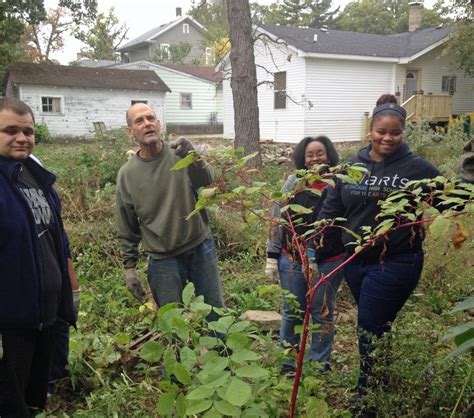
{"points": [[184, 34], [195, 100]]}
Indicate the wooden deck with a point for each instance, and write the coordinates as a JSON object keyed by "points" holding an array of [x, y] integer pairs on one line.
{"points": [[430, 107]]}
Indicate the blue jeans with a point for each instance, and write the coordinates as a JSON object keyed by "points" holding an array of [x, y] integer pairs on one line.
{"points": [[168, 277], [292, 279], [380, 291]]}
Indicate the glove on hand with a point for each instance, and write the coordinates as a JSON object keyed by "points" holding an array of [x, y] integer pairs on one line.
{"points": [[271, 270], [133, 284], [76, 300], [181, 146], [313, 266]]}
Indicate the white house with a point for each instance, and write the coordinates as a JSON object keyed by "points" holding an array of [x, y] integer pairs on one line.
{"points": [[323, 81], [70, 99], [196, 92]]}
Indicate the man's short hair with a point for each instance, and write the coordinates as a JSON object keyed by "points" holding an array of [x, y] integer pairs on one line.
{"points": [[16, 106]]}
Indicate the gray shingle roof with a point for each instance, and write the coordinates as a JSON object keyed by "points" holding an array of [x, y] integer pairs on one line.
{"points": [[152, 33], [75, 76], [361, 44], [147, 35], [199, 71]]}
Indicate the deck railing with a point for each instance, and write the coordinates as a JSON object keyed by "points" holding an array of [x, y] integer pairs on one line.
{"points": [[431, 107]]}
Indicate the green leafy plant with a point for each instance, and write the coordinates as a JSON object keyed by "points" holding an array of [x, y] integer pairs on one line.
{"points": [[463, 335], [211, 367], [42, 134]]}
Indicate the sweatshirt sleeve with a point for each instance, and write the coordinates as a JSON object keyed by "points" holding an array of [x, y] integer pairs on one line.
{"points": [[128, 235], [333, 206], [275, 238]]}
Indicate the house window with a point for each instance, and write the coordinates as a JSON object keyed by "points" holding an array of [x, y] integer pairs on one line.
{"points": [[279, 86], [139, 101], [448, 83], [51, 104], [186, 101], [185, 27], [165, 51]]}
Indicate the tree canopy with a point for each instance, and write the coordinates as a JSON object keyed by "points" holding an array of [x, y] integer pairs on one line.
{"points": [[212, 15], [461, 44], [102, 36], [384, 17], [16, 15], [41, 39], [296, 13]]}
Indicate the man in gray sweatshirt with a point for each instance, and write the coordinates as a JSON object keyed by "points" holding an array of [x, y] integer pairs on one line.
{"points": [[153, 203]]}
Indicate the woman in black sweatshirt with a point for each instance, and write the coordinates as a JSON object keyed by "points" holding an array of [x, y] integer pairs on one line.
{"points": [[383, 276]]}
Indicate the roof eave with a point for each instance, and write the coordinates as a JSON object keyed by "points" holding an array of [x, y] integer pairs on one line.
{"points": [[164, 67], [127, 48], [177, 22], [408, 60], [348, 57]]}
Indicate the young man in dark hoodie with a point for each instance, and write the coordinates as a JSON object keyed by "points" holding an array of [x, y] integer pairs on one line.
{"points": [[380, 289], [35, 289]]}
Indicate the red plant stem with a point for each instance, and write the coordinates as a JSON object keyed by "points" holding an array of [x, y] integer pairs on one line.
{"points": [[310, 296], [304, 336]]}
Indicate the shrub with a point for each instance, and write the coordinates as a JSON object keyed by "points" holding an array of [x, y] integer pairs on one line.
{"points": [[42, 134]]}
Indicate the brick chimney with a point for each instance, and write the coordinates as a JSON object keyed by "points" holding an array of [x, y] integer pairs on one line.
{"points": [[414, 15], [178, 12]]}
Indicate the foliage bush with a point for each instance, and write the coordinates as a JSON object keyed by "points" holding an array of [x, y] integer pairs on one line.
{"points": [[442, 145], [107, 381], [42, 134]]}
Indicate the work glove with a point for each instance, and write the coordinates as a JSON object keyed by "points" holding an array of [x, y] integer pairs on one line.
{"points": [[133, 284], [313, 266], [271, 270], [76, 300], [181, 147]]}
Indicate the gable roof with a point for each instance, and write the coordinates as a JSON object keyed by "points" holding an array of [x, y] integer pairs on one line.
{"points": [[153, 33], [75, 76], [202, 72], [399, 45], [199, 71]]}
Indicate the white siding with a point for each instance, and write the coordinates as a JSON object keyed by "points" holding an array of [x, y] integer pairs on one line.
{"points": [[228, 104], [219, 104], [434, 66], [81, 107], [280, 125], [341, 91], [205, 99]]}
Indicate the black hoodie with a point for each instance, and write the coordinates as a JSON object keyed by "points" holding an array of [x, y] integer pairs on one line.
{"points": [[358, 202]]}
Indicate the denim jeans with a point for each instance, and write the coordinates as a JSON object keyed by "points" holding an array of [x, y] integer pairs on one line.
{"points": [[293, 280], [168, 277], [380, 291]]}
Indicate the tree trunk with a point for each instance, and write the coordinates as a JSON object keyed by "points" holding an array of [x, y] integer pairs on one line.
{"points": [[243, 80]]}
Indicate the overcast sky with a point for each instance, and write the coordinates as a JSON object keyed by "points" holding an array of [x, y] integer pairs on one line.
{"points": [[143, 15]]}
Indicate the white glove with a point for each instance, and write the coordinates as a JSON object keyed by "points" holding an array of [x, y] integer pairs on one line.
{"points": [[76, 300], [313, 266], [271, 270], [133, 284]]}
